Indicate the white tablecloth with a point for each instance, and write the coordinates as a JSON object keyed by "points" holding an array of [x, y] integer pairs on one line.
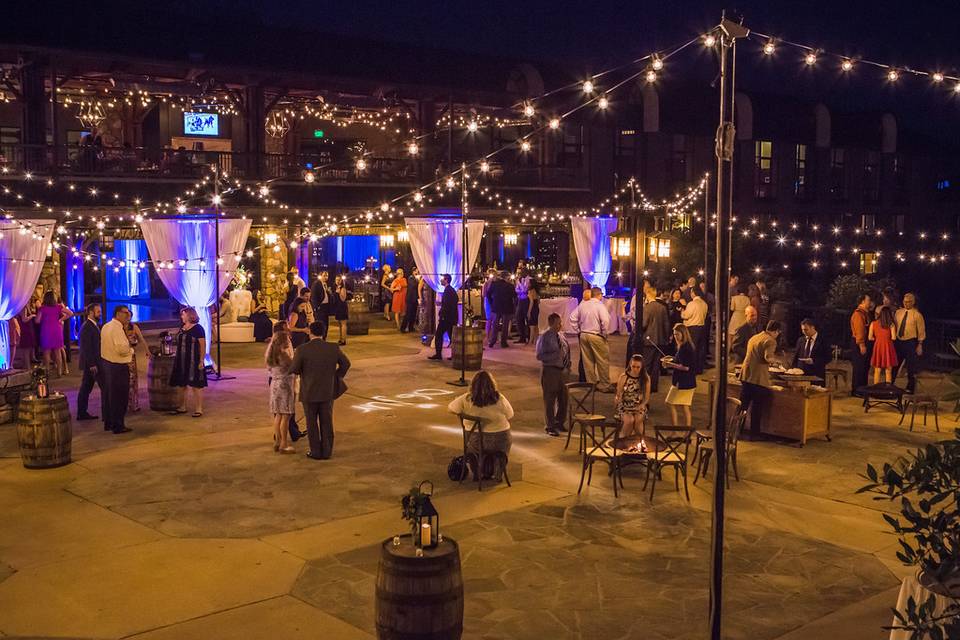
{"points": [[566, 306], [911, 587]]}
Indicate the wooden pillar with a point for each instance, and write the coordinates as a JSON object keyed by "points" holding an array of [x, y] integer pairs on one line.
{"points": [[253, 121], [33, 116]]}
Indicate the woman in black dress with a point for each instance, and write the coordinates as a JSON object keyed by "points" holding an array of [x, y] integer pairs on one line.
{"points": [[262, 325], [298, 323], [189, 371], [341, 294]]}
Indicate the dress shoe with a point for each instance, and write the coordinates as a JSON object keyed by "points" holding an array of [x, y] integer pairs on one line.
{"points": [[553, 433], [87, 416], [122, 430], [313, 457]]}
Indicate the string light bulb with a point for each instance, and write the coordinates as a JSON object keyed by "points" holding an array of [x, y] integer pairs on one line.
{"points": [[413, 148], [603, 102], [309, 177], [484, 166], [651, 76], [525, 145], [709, 40], [769, 47], [810, 59], [893, 75], [588, 87], [937, 77], [529, 111], [555, 123], [472, 126], [657, 63], [846, 65], [361, 164]]}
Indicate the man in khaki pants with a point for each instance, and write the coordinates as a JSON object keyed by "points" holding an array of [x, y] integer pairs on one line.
{"points": [[591, 321]]}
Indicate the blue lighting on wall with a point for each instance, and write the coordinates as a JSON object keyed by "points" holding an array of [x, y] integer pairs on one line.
{"points": [[128, 283]]}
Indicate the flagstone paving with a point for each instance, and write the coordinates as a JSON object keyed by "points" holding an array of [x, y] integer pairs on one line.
{"points": [[194, 528]]}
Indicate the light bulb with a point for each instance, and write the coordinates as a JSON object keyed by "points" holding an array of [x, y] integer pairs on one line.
{"points": [[588, 87], [893, 75], [472, 126], [810, 59], [709, 40], [361, 164], [525, 145], [309, 177], [384, 206], [651, 76], [451, 183], [529, 111], [555, 123], [484, 166], [937, 76], [264, 191], [769, 48], [846, 65], [603, 103], [413, 148], [417, 197]]}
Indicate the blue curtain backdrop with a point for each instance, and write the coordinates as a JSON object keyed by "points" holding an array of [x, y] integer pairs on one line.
{"points": [[354, 250], [128, 283]]}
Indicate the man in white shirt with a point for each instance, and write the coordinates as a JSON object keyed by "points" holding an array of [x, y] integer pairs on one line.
{"points": [[910, 331], [116, 354], [296, 280], [694, 316], [591, 321]]}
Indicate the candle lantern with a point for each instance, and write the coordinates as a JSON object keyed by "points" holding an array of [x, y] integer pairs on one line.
{"points": [[620, 244], [659, 245], [427, 519]]}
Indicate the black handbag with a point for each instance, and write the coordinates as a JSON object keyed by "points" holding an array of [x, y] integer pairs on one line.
{"points": [[457, 469]]}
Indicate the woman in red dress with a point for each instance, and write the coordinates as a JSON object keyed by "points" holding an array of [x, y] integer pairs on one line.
{"points": [[399, 291], [884, 354]]}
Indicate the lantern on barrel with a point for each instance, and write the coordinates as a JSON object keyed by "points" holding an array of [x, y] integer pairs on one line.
{"points": [[427, 530]]}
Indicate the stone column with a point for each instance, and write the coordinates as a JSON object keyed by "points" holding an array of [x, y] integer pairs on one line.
{"points": [[273, 270]]}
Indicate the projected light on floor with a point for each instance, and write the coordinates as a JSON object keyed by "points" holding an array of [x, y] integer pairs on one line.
{"points": [[384, 403]]}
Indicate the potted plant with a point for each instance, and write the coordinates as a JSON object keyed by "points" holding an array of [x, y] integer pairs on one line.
{"points": [[927, 484]]}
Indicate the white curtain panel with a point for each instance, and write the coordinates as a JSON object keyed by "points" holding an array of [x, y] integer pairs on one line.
{"points": [[23, 250], [436, 244], [591, 239], [194, 240]]}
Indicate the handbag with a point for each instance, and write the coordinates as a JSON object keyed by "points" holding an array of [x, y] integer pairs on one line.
{"points": [[457, 469]]}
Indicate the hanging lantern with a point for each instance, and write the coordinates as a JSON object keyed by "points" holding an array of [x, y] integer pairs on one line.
{"points": [[403, 236], [427, 520], [620, 244], [510, 238], [386, 240], [91, 115], [277, 124], [659, 245]]}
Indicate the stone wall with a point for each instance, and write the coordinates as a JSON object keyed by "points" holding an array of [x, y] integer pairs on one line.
{"points": [[50, 277]]}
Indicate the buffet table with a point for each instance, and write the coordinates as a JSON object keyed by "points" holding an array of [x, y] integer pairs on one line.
{"points": [[566, 306], [796, 411]]}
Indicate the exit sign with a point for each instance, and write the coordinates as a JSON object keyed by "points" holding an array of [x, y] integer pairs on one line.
{"points": [[318, 133]]}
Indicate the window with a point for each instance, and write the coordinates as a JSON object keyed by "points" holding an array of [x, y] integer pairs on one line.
{"points": [[627, 141], [571, 150], [868, 263], [838, 175], [901, 194], [678, 165], [871, 177], [9, 135], [800, 178], [868, 221], [763, 169]]}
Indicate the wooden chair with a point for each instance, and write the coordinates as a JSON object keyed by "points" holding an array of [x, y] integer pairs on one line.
{"points": [[470, 425], [672, 449], [914, 401], [734, 428], [601, 445], [733, 407], [581, 409]]}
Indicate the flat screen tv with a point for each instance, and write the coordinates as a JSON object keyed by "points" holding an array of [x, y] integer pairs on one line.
{"points": [[201, 124]]}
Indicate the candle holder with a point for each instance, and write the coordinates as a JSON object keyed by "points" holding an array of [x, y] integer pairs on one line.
{"points": [[423, 517]]}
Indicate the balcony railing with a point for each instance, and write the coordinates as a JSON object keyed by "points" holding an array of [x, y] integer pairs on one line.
{"points": [[147, 164]]}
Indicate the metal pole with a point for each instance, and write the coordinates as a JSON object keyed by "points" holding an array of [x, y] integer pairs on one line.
{"points": [[725, 140], [640, 239], [216, 262], [706, 229], [465, 293]]}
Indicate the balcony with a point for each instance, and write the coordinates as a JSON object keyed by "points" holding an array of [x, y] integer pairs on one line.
{"points": [[144, 164]]}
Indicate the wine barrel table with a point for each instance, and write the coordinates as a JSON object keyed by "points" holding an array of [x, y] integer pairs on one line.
{"points": [[44, 431], [419, 598], [470, 350], [162, 396], [358, 318]]}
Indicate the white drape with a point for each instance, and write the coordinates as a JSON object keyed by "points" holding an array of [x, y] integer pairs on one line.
{"points": [[591, 239], [193, 241], [436, 244], [22, 254]]}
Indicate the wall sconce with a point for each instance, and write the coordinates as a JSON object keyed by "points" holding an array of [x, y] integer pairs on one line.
{"points": [[510, 238], [403, 236], [387, 241]]}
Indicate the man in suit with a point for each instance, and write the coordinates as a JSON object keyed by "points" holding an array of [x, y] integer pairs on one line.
{"points": [[321, 366], [750, 328], [813, 352], [655, 333], [448, 316], [503, 303], [90, 365], [321, 299], [755, 374]]}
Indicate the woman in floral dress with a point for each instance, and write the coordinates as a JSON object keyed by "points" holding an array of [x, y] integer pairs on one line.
{"points": [[278, 359]]}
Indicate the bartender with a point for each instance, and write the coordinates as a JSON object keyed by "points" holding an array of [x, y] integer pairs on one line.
{"points": [[813, 352], [755, 373]]}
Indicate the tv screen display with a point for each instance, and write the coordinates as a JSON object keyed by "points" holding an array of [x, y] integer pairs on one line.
{"points": [[201, 124]]}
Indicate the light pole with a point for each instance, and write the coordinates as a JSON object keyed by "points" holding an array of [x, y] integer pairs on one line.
{"points": [[729, 32], [465, 293]]}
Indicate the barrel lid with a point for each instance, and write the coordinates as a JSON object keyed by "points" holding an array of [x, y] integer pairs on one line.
{"points": [[406, 548]]}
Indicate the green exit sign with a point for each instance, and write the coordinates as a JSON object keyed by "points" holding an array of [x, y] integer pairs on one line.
{"points": [[318, 133]]}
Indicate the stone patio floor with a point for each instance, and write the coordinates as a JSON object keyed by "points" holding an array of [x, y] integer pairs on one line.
{"points": [[194, 528]]}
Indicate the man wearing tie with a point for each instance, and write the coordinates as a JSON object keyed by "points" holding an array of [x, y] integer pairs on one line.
{"points": [[553, 352], [911, 332], [813, 352]]}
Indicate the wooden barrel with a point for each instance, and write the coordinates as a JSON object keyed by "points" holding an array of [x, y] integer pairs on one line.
{"points": [[358, 318], [419, 598], [472, 347], [162, 396], [44, 431]]}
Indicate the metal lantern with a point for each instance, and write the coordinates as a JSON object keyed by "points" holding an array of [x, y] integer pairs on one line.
{"points": [[277, 124], [620, 244], [91, 114], [428, 520], [659, 245]]}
